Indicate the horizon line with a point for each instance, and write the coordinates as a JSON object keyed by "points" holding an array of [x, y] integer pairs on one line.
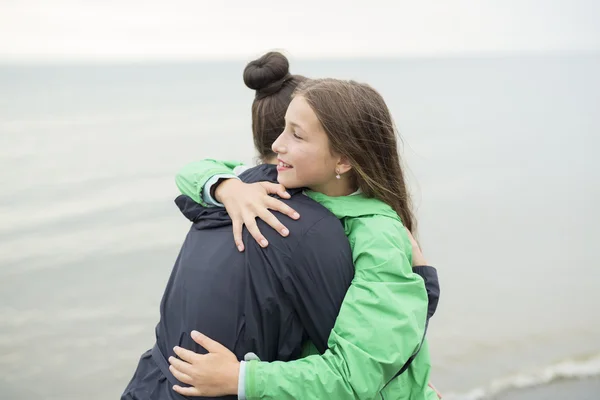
{"points": [[41, 61]]}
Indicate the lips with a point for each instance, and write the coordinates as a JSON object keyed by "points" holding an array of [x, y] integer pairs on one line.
{"points": [[283, 164]]}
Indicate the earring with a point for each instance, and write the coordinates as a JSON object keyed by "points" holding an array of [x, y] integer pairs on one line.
{"points": [[337, 174]]}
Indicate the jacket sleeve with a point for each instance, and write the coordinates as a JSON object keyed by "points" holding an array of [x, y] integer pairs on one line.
{"points": [[190, 180], [432, 285], [380, 325], [320, 274]]}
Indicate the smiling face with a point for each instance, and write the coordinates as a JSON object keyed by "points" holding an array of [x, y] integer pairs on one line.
{"points": [[335, 124], [303, 152]]}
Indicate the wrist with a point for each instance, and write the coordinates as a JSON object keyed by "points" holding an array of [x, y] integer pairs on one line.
{"points": [[234, 379], [222, 188]]}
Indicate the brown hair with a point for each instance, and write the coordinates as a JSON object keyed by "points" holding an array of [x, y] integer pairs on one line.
{"points": [[270, 76], [359, 126]]}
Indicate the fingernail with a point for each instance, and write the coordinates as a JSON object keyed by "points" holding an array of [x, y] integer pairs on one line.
{"points": [[175, 348], [285, 232], [264, 243], [295, 215], [195, 333], [240, 248]]}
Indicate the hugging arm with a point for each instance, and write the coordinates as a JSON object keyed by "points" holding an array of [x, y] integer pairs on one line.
{"points": [[192, 178], [200, 181]]}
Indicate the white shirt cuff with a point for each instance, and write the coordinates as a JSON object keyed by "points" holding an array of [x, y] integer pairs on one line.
{"points": [[242, 381], [208, 199]]}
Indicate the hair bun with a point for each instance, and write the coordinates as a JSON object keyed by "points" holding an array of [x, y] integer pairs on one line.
{"points": [[267, 74]]}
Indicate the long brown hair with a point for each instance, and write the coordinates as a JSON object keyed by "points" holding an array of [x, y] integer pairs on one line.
{"points": [[359, 126], [270, 76]]}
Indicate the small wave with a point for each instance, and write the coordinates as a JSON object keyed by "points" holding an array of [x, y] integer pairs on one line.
{"points": [[580, 368]]}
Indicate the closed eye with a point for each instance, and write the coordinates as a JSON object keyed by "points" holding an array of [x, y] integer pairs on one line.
{"points": [[296, 136]]}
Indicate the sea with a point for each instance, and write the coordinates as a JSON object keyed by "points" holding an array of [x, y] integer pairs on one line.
{"points": [[500, 154]]}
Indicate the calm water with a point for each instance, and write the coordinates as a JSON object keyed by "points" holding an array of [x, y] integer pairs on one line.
{"points": [[500, 155]]}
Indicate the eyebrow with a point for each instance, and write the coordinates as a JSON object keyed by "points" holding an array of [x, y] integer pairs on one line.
{"points": [[293, 124]]}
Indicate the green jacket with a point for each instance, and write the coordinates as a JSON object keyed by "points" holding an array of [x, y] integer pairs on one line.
{"points": [[381, 322]]}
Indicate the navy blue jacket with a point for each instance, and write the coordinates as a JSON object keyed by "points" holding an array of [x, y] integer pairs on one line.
{"points": [[267, 301]]}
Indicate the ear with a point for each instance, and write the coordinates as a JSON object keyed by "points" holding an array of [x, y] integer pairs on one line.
{"points": [[343, 165]]}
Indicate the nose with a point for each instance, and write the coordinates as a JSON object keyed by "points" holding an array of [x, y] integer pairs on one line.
{"points": [[278, 147]]}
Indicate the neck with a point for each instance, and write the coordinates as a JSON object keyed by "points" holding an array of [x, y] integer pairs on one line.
{"points": [[336, 188], [270, 160]]}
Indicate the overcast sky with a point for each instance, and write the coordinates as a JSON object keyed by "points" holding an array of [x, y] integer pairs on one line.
{"points": [[199, 29]]}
